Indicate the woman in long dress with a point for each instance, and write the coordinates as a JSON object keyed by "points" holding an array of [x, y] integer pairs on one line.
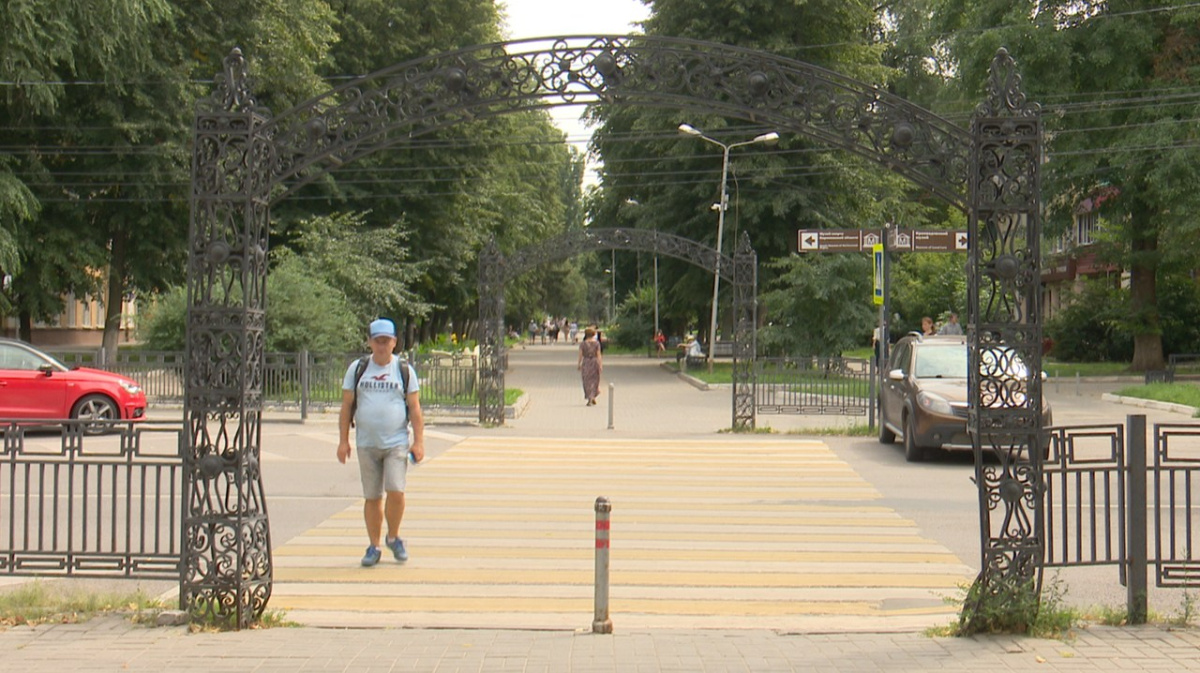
{"points": [[590, 365]]}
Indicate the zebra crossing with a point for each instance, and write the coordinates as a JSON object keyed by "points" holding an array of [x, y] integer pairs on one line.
{"points": [[736, 532]]}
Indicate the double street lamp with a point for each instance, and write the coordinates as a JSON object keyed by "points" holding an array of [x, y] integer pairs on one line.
{"points": [[689, 130]]}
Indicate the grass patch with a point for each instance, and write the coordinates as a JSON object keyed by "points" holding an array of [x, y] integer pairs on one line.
{"points": [[38, 603], [1016, 610], [1174, 393], [859, 430], [1058, 369], [206, 621]]}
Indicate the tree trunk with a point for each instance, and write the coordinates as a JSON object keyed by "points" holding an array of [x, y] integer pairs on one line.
{"points": [[25, 326], [113, 302], [1143, 293]]}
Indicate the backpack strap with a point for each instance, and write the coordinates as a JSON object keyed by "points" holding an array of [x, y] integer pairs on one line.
{"points": [[361, 367], [358, 374]]}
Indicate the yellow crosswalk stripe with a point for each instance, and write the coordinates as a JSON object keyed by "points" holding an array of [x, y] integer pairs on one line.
{"points": [[741, 531]]}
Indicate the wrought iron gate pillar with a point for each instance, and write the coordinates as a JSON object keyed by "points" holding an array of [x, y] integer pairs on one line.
{"points": [[1005, 349], [745, 348], [492, 359], [226, 571]]}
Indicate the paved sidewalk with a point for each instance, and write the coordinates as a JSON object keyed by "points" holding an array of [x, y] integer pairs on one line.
{"points": [[111, 644]]}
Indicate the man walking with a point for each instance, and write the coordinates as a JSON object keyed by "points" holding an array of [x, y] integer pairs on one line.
{"points": [[382, 400]]}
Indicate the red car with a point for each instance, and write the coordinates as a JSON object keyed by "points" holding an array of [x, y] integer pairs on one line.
{"points": [[35, 385]]}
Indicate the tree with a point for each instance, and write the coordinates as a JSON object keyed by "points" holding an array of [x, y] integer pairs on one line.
{"points": [[1116, 86], [773, 191], [107, 117], [819, 304]]}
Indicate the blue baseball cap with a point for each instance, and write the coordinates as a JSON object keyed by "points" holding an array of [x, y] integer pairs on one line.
{"points": [[383, 327]]}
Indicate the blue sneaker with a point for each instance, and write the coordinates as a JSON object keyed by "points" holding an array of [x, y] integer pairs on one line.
{"points": [[398, 550], [371, 557]]}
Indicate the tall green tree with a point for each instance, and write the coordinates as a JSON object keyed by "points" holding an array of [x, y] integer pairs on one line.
{"points": [[773, 192], [1117, 83], [104, 126], [453, 189]]}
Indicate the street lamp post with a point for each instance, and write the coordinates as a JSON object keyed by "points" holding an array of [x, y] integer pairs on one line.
{"points": [[721, 208]]}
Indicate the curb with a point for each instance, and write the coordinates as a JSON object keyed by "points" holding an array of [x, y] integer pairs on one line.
{"points": [[1151, 404]]}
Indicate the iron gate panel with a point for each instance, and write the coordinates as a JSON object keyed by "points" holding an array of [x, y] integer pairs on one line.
{"points": [[1085, 496], [813, 385], [1176, 523], [81, 505]]}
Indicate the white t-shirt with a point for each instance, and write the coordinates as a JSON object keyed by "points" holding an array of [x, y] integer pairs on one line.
{"points": [[381, 420]]}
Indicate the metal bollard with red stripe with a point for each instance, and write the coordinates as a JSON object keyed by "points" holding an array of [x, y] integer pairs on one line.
{"points": [[601, 622]]}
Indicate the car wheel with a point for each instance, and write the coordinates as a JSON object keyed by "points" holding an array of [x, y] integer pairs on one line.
{"points": [[886, 436], [912, 452], [95, 408]]}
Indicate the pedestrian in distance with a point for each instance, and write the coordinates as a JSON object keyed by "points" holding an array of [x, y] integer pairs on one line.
{"points": [[381, 398], [660, 341], [951, 327], [591, 364], [927, 326]]}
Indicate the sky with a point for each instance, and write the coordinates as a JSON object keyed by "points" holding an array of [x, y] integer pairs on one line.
{"points": [[542, 18]]}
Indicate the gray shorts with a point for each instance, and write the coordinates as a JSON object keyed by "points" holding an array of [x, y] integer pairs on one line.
{"points": [[383, 470]]}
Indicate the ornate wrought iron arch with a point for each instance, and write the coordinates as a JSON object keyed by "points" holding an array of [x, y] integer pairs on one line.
{"points": [[394, 105], [496, 270], [243, 160]]}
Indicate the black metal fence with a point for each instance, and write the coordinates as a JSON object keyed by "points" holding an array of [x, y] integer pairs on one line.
{"points": [[814, 385], [1100, 485], [79, 504], [297, 381]]}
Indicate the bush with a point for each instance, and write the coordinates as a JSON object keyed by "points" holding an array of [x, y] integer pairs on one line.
{"points": [[1093, 328], [303, 312], [635, 321]]}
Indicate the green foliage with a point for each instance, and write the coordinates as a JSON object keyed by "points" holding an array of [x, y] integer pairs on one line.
{"points": [[1175, 393], [817, 305], [1092, 326], [162, 321], [1179, 314], [773, 191], [1016, 609], [304, 312], [635, 321], [371, 266], [930, 284]]}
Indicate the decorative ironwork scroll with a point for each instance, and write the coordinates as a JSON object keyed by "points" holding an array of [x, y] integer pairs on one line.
{"points": [[227, 570], [745, 333], [408, 100], [1005, 336], [495, 270], [492, 359]]}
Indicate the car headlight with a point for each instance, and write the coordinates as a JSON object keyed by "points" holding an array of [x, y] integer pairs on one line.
{"points": [[131, 387], [935, 404]]}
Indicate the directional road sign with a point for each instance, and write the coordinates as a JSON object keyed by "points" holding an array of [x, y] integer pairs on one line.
{"points": [[838, 240], [864, 240]]}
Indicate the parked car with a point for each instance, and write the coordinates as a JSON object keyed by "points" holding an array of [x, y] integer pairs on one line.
{"points": [[35, 385], [923, 397]]}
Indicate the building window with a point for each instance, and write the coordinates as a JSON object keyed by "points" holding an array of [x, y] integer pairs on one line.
{"points": [[1086, 225]]}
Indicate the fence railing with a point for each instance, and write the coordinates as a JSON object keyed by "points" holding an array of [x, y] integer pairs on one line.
{"points": [[78, 504], [303, 381], [814, 385]]}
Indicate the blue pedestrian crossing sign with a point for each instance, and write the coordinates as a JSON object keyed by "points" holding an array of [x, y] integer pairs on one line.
{"points": [[877, 293]]}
